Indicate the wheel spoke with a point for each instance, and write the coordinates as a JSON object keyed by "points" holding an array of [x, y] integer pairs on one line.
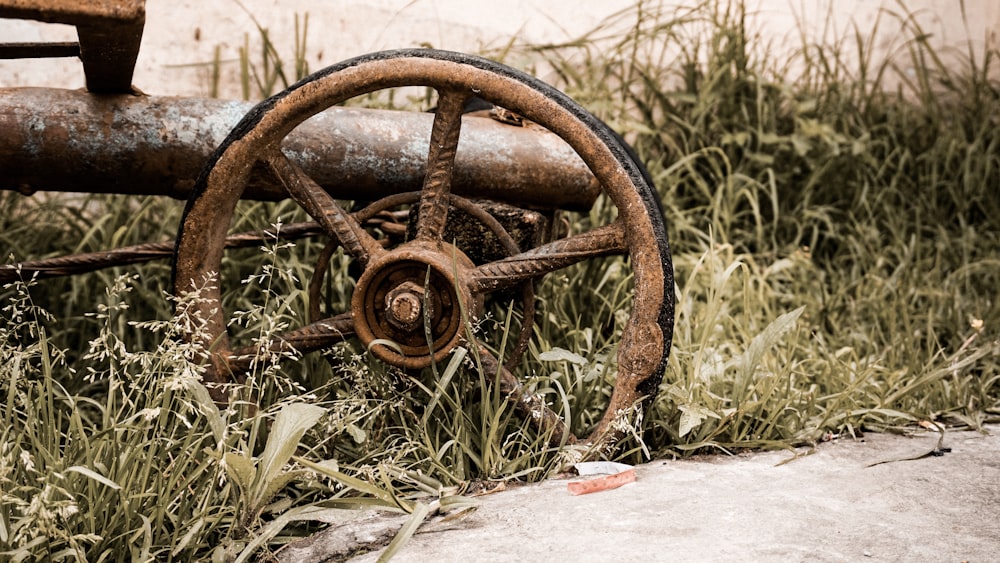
{"points": [[310, 338], [336, 222], [537, 262], [529, 405], [433, 211]]}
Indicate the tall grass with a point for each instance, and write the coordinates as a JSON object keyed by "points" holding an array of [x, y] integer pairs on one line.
{"points": [[834, 222], [860, 189]]}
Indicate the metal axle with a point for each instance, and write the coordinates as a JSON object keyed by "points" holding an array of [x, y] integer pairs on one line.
{"points": [[63, 140]]}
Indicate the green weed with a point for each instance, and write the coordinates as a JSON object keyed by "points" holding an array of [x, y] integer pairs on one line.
{"points": [[834, 224]]}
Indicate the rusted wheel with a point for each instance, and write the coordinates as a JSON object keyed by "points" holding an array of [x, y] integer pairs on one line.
{"points": [[416, 294]]}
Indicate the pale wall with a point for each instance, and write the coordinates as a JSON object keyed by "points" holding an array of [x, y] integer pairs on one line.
{"points": [[182, 32]]}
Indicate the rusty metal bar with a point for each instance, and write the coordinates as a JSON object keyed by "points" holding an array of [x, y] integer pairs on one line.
{"points": [[39, 50], [74, 264], [74, 12], [62, 140], [110, 32]]}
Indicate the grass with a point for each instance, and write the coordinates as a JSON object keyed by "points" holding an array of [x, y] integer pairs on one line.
{"points": [[861, 193], [834, 227]]}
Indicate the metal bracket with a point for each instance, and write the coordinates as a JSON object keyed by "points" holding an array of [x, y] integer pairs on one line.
{"points": [[109, 33]]}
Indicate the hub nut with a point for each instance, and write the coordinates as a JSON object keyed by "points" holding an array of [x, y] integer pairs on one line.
{"points": [[404, 306]]}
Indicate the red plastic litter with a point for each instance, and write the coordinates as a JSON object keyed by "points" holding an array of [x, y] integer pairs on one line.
{"points": [[601, 483]]}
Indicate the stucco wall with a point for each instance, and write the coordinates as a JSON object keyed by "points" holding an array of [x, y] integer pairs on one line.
{"points": [[181, 33]]}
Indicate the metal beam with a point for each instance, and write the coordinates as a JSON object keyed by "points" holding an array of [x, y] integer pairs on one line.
{"points": [[63, 140]]}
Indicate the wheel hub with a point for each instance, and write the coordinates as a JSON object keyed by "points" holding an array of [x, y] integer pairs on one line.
{"points": [[409, 305]]}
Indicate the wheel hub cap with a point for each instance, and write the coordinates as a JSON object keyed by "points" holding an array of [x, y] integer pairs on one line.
{"points": [[409, 305]]}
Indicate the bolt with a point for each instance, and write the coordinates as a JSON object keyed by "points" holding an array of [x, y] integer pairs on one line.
{"points": [[404, 306]]}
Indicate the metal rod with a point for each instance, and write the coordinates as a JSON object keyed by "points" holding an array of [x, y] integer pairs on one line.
{"points": [[39, 50], [74, 264]]}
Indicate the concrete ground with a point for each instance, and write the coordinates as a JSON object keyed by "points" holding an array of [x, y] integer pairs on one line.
{"points": [[829, 504]]}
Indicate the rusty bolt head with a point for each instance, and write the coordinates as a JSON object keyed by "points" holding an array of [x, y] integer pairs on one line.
{"points": [[404, 306]]}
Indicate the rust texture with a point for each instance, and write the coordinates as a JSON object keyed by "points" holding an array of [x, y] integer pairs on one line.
{"points": [[552, 256], [441, 162], [438, 270], [429, 277], [327, 212], [62, 140], [90, 261], [109, 33]]}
